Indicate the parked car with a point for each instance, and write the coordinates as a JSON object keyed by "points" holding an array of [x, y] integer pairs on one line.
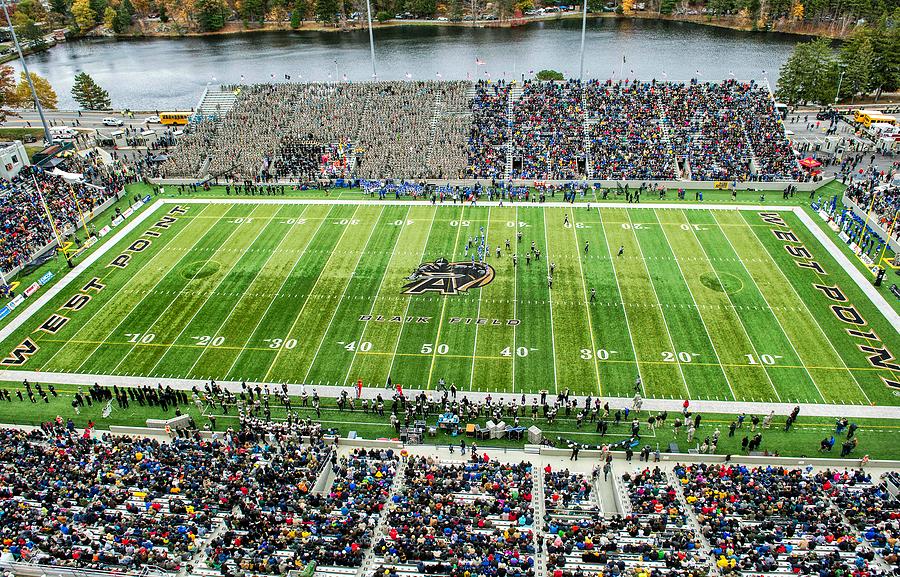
{"points": [[152, 120], [443, 19], [110, 121]]}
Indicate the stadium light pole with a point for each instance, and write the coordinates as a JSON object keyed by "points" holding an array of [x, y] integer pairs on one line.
{"points": [[37, 103], [371, 38], [583, 28]]}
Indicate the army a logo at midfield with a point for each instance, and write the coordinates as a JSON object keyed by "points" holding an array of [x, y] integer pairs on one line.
{"points": [[448, 278]]}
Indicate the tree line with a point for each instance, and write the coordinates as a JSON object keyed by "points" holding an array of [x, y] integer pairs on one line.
{"points": [[17, 94], [866, 64]]}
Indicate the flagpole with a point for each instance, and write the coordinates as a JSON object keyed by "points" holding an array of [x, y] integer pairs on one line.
{"points": [[371, 38], [622, 67], [583, 28]]}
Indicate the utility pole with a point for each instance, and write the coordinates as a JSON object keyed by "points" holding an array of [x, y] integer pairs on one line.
{"points": [[371, 38], [37, 103]]}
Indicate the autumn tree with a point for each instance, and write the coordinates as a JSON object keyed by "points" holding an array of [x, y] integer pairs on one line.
{"points": [[7, 92], [23, 97], [84, 15]]}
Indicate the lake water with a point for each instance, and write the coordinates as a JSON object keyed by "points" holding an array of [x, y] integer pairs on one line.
{"points": [[172, 72]]}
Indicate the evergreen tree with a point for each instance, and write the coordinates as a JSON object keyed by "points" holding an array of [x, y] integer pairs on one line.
{"points": [[327, 10], [210, 15], [89, 94], [99, 9], [810, 74], [60, 7], [123, 19]]}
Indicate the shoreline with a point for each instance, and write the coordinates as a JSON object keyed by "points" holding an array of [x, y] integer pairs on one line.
{"points": [[802, 29]]}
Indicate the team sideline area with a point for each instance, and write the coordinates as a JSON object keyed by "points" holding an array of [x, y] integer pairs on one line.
{"points": [[261, 500]]}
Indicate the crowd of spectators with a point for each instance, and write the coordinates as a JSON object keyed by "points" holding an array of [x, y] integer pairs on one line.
{"points": [[394, 129], [762, 520], [24, 225], [874, 511], [452, 129], [460, 519], [489, 134], [548, 131]]}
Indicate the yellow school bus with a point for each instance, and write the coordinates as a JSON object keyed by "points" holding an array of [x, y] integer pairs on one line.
{"points": [[869, 117], [172, 118]]}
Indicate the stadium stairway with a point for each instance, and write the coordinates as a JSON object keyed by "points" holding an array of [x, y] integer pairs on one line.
{"points": [[515, 93], [216, 103], [368, 564]]}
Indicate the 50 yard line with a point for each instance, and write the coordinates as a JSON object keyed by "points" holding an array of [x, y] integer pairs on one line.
{"points": [[409, 298], [437, 340]]}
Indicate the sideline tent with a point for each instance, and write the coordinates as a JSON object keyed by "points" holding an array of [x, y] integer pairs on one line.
{"points": [[70, 177], [810, 162]]}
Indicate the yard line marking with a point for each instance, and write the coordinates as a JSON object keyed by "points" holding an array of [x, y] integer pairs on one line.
{"points": [[622, 302], [515, 305], [487, 230], [410, 299], [656, 295], [311, 292], [182, 291], [587, 309], [815, 319], [312, 362], [112, 298], [362, 334], [740, 319], [777, 320], [550, 292], [437, 339], [249, 286], [702, 320]]}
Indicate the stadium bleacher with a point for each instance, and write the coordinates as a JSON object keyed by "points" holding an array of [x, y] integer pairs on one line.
{"points": [[533, 131], [253, 502]]}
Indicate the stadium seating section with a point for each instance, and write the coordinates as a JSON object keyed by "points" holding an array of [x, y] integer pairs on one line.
{"points": [[248, 503], [532, 130]]}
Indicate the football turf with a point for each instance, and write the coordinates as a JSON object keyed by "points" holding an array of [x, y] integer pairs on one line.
{"points": [[704, 304]]}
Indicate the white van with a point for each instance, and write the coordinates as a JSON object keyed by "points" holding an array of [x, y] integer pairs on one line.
{"points": [[63, 132]]}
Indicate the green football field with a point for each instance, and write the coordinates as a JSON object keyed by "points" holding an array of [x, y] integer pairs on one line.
{"points": [[705, 304]]}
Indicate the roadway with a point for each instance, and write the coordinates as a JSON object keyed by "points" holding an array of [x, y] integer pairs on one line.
{"points": [[90, 120]]}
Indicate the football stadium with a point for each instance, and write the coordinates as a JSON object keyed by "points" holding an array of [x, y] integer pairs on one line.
{"points": [[536, 327]]}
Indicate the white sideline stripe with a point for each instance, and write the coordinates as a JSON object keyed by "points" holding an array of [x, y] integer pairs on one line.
{"points": [[42, 300], [879, 301]]}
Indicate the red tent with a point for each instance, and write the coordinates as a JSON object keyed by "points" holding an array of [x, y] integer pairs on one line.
{"points": [[810, 162]]}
